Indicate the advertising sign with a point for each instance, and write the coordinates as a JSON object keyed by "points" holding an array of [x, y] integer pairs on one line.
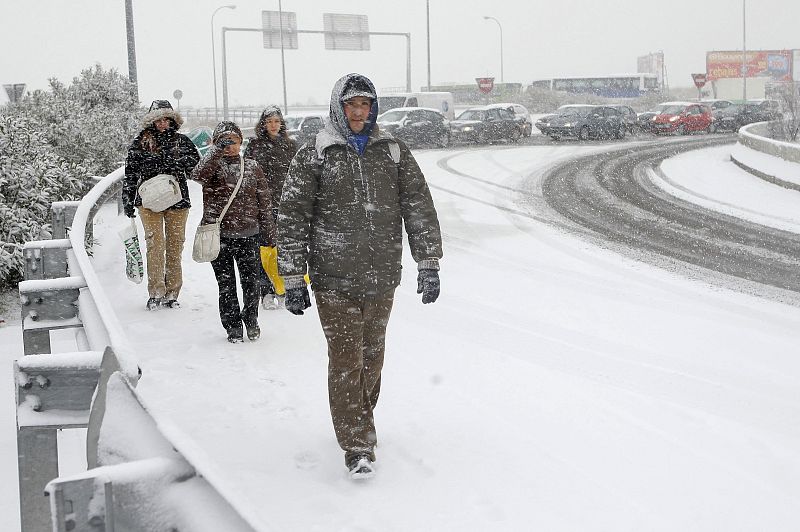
{"points": [[774, 64], [485, 85]]}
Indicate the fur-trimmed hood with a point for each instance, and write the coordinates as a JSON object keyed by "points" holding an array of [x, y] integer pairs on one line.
{"points": [[156, 113]]}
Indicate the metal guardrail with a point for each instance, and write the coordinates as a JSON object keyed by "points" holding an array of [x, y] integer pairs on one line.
{"points": [[243, 117], [142, 475]]}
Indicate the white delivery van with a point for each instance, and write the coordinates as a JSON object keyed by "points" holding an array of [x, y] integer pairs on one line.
{"points": [[441, 101]]}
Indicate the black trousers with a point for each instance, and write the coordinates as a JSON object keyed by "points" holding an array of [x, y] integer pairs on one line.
{"points": [[244, 251]]}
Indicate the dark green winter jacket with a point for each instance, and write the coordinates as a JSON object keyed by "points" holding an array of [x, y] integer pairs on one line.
{"points": [[341, 215]]}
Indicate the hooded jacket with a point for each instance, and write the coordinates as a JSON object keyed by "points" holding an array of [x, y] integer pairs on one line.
{"points": [[250, 213], [273, 155], [341, 215], [153, 152]]}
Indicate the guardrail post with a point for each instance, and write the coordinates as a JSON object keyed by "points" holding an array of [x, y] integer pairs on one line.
{"points": [[52, 392], [62, 214], [46, 259], [48, 304]]}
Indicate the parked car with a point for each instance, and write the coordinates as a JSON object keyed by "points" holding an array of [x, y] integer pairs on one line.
{"points": [[628, 116], [484, 125], [680, 118], [416, 126], [717, 104], [521, 112], [733, 117], [767, 109], [645, 120], [584, 122], [302, 128]]}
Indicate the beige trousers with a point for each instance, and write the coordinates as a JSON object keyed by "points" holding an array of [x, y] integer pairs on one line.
{"points": [[164, 233], [356, 334]]}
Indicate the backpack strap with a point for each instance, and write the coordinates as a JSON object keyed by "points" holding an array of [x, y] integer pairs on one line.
{"points": [[394, 151]]}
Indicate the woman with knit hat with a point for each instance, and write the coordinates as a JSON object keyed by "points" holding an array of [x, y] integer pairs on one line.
{"points": [[273, 150], [247, 223], [160, 149]]}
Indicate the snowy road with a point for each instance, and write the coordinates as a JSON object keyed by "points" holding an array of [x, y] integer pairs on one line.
{"points": [[556, 385]]}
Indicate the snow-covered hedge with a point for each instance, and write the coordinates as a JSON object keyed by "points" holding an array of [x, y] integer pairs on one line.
{"points": [[51, 144]]}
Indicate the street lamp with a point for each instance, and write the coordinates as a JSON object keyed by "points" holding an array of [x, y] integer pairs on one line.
{"points": [[501, 45], [214, 59]]}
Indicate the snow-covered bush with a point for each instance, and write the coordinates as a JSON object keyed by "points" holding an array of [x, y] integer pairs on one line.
{"points": [[51, 144]]}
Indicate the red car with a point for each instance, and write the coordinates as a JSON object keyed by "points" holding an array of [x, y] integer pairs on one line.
{"points": [[681, 118]]}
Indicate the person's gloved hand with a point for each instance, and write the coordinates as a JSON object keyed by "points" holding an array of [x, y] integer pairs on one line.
{"points": [[223, 142], [428, 285], [297, 300], [130, 211], [265, 242]]}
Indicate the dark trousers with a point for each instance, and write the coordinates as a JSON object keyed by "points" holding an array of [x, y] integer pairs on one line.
{"points": [[356, 334], [244, 251]]}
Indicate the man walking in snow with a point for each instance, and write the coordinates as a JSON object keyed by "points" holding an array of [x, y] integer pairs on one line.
{"points": [[344, 203]]}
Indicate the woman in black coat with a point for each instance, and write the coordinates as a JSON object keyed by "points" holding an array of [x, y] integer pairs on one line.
{"points": [[273, 150], [160, 149]]}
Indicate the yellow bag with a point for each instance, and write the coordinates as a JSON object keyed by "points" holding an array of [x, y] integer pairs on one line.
{"points": [[269, 260]]}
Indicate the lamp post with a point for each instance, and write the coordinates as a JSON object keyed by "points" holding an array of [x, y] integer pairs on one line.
{"points": [[501, 45], [214, 58]]}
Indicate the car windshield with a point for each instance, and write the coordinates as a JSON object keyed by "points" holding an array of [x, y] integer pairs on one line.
{"points": [[672, 109], [292, 122], [658, 109], [471, 114], [578, 111], [390, 102], [392, 116]]}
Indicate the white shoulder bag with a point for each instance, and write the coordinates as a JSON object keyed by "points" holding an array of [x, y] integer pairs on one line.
{"points": [[160, 192], [206, 239]]}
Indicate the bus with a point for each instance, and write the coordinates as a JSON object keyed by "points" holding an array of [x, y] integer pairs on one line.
{"points": [[614, 86]]}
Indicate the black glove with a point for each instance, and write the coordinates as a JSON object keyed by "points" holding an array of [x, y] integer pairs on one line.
{"points": [[130, 211], [264, 241], [297, 300], [223, 142], [428, 285]]}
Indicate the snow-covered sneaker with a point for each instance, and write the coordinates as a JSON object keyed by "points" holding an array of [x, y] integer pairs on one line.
{"points": [[280, 301], [361, 468], [235, 337], [153, 303], [268, 302], [172, 303]]}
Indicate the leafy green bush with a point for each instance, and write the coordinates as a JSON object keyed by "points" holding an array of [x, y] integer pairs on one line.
{"points": [[51, 143]]}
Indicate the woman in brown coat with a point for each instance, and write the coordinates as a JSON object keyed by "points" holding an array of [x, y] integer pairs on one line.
{"points": [[247, 224]]}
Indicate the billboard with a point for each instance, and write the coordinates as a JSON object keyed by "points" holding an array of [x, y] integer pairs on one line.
{"points": [[774, 64]]}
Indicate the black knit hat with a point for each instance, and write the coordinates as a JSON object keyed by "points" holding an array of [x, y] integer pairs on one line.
{"points": [[160, 104], [226, 126], [161, 109]]}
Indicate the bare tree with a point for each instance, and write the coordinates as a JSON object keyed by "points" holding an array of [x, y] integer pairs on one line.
{"points": [[787, 93]]}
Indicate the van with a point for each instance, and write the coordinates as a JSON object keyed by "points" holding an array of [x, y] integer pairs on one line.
{"points": [[440, 101]]}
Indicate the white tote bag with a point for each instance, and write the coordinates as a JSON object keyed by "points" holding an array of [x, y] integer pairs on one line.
{"points": [[206, 238], [160, 192], [134, 265]]}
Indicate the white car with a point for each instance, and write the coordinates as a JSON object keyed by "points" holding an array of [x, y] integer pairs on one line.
{"points": [[520, 112]]}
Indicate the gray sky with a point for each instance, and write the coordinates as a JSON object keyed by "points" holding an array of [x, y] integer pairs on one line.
{"points": [[59, 38]]}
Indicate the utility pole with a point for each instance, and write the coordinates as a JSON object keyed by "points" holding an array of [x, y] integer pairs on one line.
{"points": [[744, 52], [428, 24], [131, 48]]}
